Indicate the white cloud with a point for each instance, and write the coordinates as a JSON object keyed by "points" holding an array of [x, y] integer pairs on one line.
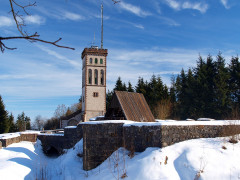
{"points": [[140, 26], [225, 4], [173, 4], [34, 19], [180, 5], [168, 21], [202, 7], [61, 14], [6, 21], [72, 16], [134, 9], [59, 56]]}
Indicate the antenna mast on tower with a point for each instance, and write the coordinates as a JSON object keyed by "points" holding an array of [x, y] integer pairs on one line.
{"points": [[102, 27]]}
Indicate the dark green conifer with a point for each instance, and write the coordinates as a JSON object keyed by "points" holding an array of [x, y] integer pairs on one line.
{"points": [[4, 122]]}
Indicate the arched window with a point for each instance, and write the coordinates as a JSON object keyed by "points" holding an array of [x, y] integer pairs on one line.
{"points": [[96, 60], [96, 76], [90, 61], [102, 77], [89, 76], [101, 61]]}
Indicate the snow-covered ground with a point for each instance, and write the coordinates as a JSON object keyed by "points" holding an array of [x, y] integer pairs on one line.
{"points": [[213, 158]]}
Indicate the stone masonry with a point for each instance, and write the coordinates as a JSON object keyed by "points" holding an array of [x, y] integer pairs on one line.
{"points": [[23, 137], [101, 140]]}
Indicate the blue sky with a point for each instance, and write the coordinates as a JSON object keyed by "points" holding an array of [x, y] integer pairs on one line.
{"points": [[144, 37]]}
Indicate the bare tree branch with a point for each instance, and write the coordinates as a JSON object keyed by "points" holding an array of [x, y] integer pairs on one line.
{"points": [[20, 23], [115, 1]]}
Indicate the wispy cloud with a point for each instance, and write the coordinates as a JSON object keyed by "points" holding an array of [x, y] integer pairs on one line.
{"points": [[140, 26], [72, 16], [6, 21], [59, 56], [34, 19], [61, 14], [168, 21], [134, 9], [225, 4], [180, 5]]}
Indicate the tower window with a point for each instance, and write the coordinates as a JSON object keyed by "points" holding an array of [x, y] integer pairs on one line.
{"points": [[89, 76], [102, 77], [90, 61], [95, 94], [96, 76], [96, 60], [101, 61]]}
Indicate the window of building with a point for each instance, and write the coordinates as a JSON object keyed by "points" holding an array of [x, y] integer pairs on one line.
{"points": [[102, 77], [101, 61], [96, 60], [96, 76], [89, 76], [90, 61], [95, 94]]}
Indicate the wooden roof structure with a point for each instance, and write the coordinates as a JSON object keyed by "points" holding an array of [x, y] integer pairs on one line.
{"points": [[129, 106]]}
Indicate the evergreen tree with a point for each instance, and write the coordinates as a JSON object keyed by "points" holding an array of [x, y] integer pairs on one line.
{"points": [[141, 86], [27, 121], [4, 122], [222, 97], [191, 95], [11, 123], [234, 83], [20, 123], [119, 86], [130, 88], [173, 100], [182, 95], [108, 98]]}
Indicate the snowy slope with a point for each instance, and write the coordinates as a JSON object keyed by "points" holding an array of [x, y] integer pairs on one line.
{"points": [[193, 159]]}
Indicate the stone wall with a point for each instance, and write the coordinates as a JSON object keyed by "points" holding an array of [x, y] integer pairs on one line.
{"points": [[22, 137], [101, 140], [139, 138], [61, 141]]}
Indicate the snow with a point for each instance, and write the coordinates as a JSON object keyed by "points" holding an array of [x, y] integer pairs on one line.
{"points": [[17, 134], [184, 123], [95, 118], [205, 119], [70, 127], [184, 160], [108, 121], [159, 122]]}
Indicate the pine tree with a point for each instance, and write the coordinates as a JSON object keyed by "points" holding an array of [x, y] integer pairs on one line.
{"points": [[119, 86], [191, 95], [222, 97], [27, 121], [4, 122], [182, 95], [11, 123], [234, 83], [130, 88], [20, 123], [108, 98]]}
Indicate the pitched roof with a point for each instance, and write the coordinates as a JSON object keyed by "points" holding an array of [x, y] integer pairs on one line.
{"points": [[134, 106]]}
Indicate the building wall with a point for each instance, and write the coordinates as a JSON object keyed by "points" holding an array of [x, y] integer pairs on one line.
{"points": [[93, 106]]}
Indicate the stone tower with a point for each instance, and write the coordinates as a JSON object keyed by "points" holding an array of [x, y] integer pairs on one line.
{"points": [[94, 62]]}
